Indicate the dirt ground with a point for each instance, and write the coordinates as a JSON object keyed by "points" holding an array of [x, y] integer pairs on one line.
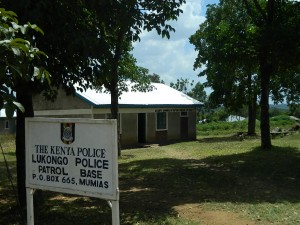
{"points": [[195, 213]]}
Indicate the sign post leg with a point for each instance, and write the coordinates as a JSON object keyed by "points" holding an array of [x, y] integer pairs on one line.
{"points": [[30, 213], [115, 213]]}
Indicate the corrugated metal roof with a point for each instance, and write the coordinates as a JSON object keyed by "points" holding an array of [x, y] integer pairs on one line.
{"points": [[161, 95]]}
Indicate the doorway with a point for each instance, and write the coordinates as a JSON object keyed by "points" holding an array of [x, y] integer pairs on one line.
{"points": [[184, 127], [141, 127]]}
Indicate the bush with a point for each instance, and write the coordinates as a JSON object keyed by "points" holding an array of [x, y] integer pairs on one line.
{"points": [[216, 128], [282, 121]]}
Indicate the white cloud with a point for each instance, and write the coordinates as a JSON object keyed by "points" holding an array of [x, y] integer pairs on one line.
{"points": [[173, 58]]}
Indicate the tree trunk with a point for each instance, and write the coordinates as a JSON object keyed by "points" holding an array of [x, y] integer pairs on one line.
{"points": [[25, 98], [251, 106], [252, 115], [266, 70], [265, 73], [114, 90]]}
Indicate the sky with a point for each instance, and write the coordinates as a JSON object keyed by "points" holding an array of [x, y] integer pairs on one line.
{"points": [[173, 58]]}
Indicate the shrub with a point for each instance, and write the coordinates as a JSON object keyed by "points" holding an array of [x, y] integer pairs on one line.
{"points": [[282, 121], [216, 128]]}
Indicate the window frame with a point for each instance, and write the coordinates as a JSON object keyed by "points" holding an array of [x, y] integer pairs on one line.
{"points": [[184, 114], [165, 117]]}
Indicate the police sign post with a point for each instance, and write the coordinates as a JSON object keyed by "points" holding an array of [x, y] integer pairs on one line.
{"points": [[75, 156]]}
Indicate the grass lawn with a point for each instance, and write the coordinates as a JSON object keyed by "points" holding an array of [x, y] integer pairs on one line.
{"points": [[215, 180]]}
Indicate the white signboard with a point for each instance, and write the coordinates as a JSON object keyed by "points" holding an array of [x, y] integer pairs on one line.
{"points": [[76, 156]]}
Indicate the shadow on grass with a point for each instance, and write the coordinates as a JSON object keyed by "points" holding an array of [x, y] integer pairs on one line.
{"points": [[151, 188], [59, 209], [232, 138], [9, 213], [13, 154], [157, 185]]}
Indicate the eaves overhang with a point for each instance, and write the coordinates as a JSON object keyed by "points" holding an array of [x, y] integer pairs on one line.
{"points": [[150, 106]]}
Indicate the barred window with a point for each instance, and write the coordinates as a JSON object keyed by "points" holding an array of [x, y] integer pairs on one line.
{"points": [[184, 114]]}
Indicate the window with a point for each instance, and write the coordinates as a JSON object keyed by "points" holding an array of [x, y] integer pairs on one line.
{"points": [[184, 114], [6, 124], [161, 121]]}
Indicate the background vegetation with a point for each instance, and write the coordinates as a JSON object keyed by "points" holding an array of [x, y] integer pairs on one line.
{"points": [[221, 127]]}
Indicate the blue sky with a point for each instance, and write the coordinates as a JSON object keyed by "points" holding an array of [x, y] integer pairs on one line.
{"points": [[173, 58]]}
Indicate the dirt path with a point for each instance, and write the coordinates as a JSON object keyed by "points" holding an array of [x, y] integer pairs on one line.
{"points": [[195, 213]]}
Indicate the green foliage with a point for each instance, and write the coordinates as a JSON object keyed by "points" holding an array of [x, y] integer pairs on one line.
{"points": [[216, 128], [282, 121], [221, 127], [246, 49], [20, 60], [222, 43], [182, 85], [17, 53], [219, 114], [277, 39], [295, 110], [277, 111], [280, 118], [198, 92], [93, 45], [121, 22], [155, 78]]}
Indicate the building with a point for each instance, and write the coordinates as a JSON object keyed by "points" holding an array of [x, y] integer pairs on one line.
{"points": [[160, 116], [7, 126]]}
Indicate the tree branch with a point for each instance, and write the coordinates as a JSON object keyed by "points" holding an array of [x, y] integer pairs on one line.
{"points": [[260, 10], [252, 14], [270, 11]]}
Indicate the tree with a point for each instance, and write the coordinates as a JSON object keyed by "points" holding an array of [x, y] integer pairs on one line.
{"points": [[17, 55], [230, 67], [66, 42], [241, 45], [155, 78], [70, 41], [89, 39], [182, 85], [294, 110], [103, 37], [19, 65], [277, 51], [198, 92], [122, 26]]}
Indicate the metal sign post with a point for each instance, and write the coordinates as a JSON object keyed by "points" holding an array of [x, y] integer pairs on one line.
{"points": [[30, 211], [115, 213]]}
